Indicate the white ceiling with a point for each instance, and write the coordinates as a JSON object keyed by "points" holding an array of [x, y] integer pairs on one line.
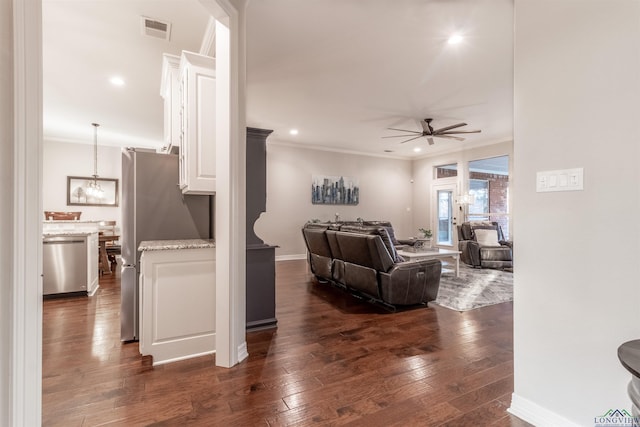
{"points": [[87, 42], [340, 72]]}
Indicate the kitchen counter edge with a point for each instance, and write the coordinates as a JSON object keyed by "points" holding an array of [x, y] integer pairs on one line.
{"points": [[67, 233], [168, 245]]}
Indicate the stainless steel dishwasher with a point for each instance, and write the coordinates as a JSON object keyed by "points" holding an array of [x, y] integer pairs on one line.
{"points": [[64, 264]]}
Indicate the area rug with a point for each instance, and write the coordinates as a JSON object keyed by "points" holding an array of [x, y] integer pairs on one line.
{"points": [[474, 288]]}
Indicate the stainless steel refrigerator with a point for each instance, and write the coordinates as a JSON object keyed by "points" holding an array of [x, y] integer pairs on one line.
{"points": [[154, 208]]}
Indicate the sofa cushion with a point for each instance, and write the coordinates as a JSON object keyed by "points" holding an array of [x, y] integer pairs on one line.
{"points": [[487, 237], [465, 232], [317, 242], [320, 266], [378, 231], [484, 225], [333, 244], [392, 235], [367, 250], [387, 225], [362, 279]]}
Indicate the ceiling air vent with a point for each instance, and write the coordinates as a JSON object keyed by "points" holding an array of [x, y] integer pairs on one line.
{"points": [[154, 28]]}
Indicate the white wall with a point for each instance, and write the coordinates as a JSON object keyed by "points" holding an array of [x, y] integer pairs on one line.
{"points": [[62, 159], [385, 193], [423, 177], [577, 297]]}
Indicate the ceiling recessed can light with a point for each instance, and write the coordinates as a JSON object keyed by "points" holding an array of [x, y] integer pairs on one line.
{"points": [[117, 81], [455, 39], [293, 132], [417, 150]]}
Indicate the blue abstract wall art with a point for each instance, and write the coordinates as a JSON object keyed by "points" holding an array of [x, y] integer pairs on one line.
{"points": [[334, 190]]}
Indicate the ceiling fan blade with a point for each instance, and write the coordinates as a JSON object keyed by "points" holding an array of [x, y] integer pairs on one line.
{"points": [[459, 131], [405, 130], [411, 139], [397, 136], [457, 138], [449, 127], [431, 142]]}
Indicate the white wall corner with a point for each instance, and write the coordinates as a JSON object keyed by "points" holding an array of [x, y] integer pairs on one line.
{"points": [[243, 353], [536, 414]]}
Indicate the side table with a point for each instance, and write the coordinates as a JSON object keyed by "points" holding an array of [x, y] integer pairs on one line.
{"points": [[629, 355]]}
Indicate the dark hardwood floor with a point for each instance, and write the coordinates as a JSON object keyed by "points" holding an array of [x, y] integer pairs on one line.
{"points": [[333, 360]]}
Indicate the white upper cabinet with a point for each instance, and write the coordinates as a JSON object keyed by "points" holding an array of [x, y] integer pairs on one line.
{"points": [[198, 124], [189, 91]]}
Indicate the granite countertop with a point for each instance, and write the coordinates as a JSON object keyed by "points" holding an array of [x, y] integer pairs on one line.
{"points": [[166, 245], [65, 221], [66, 233]]}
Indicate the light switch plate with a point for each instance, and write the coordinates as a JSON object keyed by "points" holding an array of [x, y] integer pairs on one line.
{"points": [[560, 180]]}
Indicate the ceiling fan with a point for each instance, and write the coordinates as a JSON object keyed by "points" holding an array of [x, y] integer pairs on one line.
{"points": [[429, 132]]}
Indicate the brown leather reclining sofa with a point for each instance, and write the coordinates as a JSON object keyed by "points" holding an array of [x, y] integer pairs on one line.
{"points": [[362, 260]]}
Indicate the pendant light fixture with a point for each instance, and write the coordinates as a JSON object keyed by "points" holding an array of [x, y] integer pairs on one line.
{"points": [[93, 188]]}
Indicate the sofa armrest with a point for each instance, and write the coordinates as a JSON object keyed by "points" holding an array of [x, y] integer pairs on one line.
{"points": [[506, 243], [411, 282], [406, 242]]}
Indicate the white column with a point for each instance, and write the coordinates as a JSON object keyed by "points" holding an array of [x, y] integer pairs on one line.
{"points": [[230, 182], [21, 244]]}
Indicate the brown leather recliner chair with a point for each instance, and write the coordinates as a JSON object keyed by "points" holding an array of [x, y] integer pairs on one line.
{"points": [[482, 245]]}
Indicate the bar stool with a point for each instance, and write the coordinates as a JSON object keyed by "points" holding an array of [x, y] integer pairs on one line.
{"points": [[108, 228]]}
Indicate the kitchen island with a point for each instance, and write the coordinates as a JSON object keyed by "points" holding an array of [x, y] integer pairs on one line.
{"points": [[177, 299]]}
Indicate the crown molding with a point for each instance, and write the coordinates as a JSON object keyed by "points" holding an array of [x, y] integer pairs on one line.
{"points": [[334, 150], [208, 45], [385, 156]]}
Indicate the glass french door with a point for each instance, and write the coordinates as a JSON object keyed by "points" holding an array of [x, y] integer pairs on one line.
{"points": [[444, 215]]}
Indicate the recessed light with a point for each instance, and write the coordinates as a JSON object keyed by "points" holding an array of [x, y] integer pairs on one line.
{"points": [[117, 81], [293, 132], [388, 151], [455, 39], [417, 150]]}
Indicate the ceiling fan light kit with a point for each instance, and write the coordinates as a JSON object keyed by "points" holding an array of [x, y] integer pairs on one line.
{"points": [[429, 132]]}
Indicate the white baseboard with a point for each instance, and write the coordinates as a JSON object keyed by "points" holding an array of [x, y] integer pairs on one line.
{"points": [[536, 414], [291, 257], [180, 358], [243, 353]]}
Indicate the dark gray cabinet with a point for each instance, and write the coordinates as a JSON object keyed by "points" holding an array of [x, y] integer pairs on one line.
{"points": [[261, 266]]}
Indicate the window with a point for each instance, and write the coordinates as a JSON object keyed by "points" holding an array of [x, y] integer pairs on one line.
{"points": [[489, 185], [446, 171], [479, 189]]}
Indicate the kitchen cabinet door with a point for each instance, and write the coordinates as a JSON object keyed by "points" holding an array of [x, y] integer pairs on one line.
{"points": [[198, 124]]}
